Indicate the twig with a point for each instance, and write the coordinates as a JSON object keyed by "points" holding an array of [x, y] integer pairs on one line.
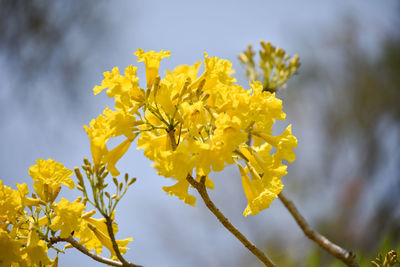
{"points": [[85, 251], [200, 187], [115, 245], [347, 257]]}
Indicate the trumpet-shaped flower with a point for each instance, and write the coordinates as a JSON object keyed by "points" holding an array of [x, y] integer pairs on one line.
{"points": [[284, 144], [152, 61], [260, 192], [114, 155], [99, 229], [110, 124], [68, 217], [180, 189]]}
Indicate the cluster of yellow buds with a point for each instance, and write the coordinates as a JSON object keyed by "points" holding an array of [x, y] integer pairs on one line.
{"points": [[390, 259], [276, 66], [191, 124]]}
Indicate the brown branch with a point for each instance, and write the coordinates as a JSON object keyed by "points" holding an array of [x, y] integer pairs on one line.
{"points": [[171, 135], [85, 251], [346, 256], [200, 187], [115, 245]]}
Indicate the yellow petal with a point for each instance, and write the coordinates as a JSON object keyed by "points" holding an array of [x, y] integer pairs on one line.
{"points": [[112, 157], [180, 189]]}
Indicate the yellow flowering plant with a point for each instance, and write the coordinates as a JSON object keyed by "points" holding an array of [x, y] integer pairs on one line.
{"points": [[190, 125], [30, 226]]}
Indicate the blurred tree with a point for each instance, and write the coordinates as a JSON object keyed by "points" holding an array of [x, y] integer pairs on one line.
{"points": [[357, 96], [365, 112]]}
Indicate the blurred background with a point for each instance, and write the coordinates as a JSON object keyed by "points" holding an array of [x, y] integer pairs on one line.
{"points": [[344, 105]]}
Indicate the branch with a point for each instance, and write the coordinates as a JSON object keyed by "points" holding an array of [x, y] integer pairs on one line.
{"points": [[85, 251], [200, 187], [115, 245], [346, 256]]}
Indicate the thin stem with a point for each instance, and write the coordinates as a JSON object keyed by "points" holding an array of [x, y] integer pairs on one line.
{"points": [[115, 245], [85, 251], [113, 241], [200, 187], [346, 256]]}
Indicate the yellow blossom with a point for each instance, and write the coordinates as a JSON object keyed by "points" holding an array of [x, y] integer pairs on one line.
{"points": [[99, 229], [51, 172], [11, 205], [284, 144], [110, 124], [114, 155], [99, 132], [152, 61], [48, 176], [259, 191], [68, 217], [27, 201], [36, 250], [180, 189], [10, 249], [125, 89]]}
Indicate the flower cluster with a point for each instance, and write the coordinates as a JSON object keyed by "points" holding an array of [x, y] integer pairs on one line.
{"points": [[28, 224], [188, 124], [193, 124]]}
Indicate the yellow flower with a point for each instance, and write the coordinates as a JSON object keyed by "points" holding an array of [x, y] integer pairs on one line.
{"points": [[110, 124], [210, 156], [111, 80], [284, 144], [48, 176], [10, 251], [27, 201], [68, 217], [99, 229], [11, 205], [51, 172], [259, 191], [86, 235], [99, 131], [114, 155], [125, 89], [217, 71], [229, 132], [152, 61], [36, 250], [195, 116], [180, 189]]}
